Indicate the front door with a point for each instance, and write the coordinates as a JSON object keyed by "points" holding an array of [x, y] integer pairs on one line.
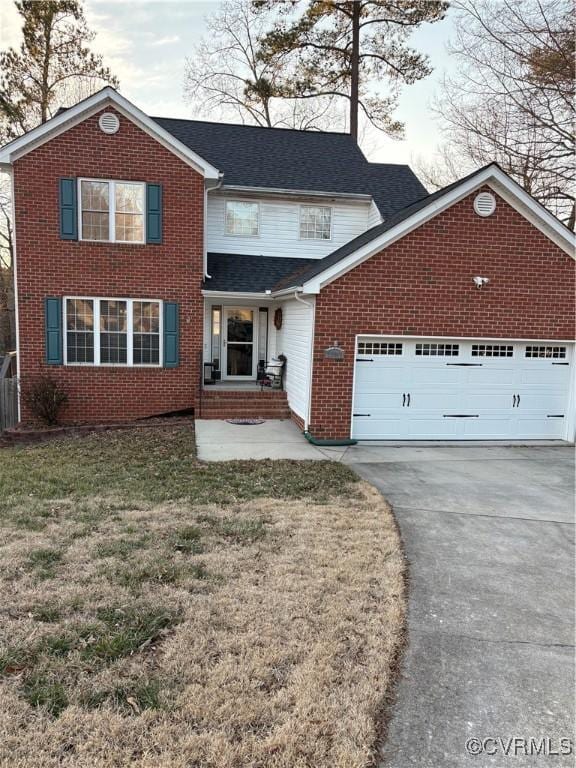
{"points": [[238, 343]]}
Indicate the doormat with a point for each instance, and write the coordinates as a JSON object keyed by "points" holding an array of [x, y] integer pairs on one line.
{"points": [[245, 422]]}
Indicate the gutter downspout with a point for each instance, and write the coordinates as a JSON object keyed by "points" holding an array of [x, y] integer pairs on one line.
{"points": [[217, 186], [307, 435], [311, 306]]}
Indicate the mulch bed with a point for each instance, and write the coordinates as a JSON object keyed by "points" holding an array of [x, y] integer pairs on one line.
{"points": [[27, 435]]}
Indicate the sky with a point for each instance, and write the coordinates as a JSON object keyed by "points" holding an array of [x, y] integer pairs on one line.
{"points": [[145, 44]]}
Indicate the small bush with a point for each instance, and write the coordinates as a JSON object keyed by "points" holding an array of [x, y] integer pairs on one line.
{"points": [[45, 398]]}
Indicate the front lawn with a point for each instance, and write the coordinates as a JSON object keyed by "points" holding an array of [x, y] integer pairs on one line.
{"points": [[161, 612]]}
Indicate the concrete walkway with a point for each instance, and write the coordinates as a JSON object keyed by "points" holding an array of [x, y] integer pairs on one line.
{"points": [[274, 439], [489, 533]]}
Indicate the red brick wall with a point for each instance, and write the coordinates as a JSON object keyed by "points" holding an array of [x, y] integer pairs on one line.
{"points": [[49, 266], [422, 285]]}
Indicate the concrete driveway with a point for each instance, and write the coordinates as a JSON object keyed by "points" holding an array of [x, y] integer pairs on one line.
{"points": [[489, 534]]}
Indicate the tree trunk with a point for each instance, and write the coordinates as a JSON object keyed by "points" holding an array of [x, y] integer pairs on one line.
{"points": [[355, 69], [44, 85]]}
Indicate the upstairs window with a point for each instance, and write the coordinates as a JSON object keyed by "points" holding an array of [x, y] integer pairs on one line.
{"points": [[242, 218], [112, 211], [315, 222]]}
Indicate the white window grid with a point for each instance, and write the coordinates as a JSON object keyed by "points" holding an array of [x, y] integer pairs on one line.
{"points": [[492, 350], [315, 222], [112, 210], [129, 331], [546, 352], [437, 350], [379, 348], [238, 226]]}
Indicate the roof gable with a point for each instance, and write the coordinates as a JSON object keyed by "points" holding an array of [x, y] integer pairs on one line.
{"points": [[67, 118], [381, 236]]}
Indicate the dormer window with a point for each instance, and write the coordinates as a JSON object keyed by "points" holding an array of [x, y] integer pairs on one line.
{"points": [[242, 218], [112, 211], [315, 222]]}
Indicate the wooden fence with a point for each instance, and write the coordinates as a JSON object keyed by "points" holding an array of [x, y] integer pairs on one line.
{"points": [[8, 403]]}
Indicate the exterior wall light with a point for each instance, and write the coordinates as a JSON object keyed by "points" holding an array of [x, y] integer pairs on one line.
{"points": [[479, 282]]}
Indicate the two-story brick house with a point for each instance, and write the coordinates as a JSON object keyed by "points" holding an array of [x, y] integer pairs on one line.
{"points": [[147, 247]]}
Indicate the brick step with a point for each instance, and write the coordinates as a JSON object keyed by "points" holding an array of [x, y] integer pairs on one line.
{"points": [[244, 408], [243, 395]]}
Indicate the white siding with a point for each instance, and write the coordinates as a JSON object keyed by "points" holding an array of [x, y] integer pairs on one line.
{"points": [[374, 216], [280, 229], [294, 340]]}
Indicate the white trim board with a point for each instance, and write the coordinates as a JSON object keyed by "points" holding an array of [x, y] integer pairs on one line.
{"points": [[494, 177], [93, 104]]}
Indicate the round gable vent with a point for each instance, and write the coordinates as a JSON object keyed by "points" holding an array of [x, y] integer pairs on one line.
{"points": [[485, 204], [109, 122]]}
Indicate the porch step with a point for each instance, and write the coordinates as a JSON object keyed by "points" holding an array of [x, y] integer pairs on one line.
{"points": [[219, 404]]}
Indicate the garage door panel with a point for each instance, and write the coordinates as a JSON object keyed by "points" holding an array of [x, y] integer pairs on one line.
{"points": [[373, 428], [545, 377], [489, 400], [430, 426], [377, 402], [434, 400], [540, 427], [514, 397], [424, 376], [542, 402]]}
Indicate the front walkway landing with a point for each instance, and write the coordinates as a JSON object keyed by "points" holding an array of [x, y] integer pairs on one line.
{"points": [[273, 439]]}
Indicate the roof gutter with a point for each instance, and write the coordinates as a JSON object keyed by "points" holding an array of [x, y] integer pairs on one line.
{"points": [[283, 192]]}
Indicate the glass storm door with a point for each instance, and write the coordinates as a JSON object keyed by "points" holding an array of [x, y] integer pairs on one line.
{"points": [[239, 343]]}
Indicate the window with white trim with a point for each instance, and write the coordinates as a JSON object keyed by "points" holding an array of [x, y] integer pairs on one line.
{"points": [[112, 331], [546, 352], [315, 222], [492, 350], [242, 218], [112, 211], [379, 348], [437, 350]]}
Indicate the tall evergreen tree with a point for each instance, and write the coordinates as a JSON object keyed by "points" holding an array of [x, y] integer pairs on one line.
{"points": [[347, 48], [53, 67]]}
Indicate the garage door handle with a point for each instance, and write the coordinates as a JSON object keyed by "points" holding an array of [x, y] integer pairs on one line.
{"points": [[364, 360], [467, 365], [460, 416], [361, 414], [403, 400], [408, 400], [555, 416]]}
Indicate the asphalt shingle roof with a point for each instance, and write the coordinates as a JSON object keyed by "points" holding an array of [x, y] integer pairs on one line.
{"points": [[280, 158], [251, 274], [299, 276]]}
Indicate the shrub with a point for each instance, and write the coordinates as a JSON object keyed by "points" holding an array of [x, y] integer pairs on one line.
{"points": [[45, 398]]}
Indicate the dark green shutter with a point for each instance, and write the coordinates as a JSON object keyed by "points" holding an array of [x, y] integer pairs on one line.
{"points": [[153, 213], [53, 324], [68, 210], [171, 334]]}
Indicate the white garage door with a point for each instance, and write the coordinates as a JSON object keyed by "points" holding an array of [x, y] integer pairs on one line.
{"points": [[442, 389]]}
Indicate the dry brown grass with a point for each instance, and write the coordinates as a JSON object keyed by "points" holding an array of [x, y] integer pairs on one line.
{"points": [[179, 635]]}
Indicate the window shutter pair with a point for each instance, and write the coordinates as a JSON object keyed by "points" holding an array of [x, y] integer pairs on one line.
{"points": [[69, 211], [55, 333]]}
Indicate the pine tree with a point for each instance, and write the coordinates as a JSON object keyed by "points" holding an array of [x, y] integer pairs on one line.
{"points": [[343, 48], [53, 67]]}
